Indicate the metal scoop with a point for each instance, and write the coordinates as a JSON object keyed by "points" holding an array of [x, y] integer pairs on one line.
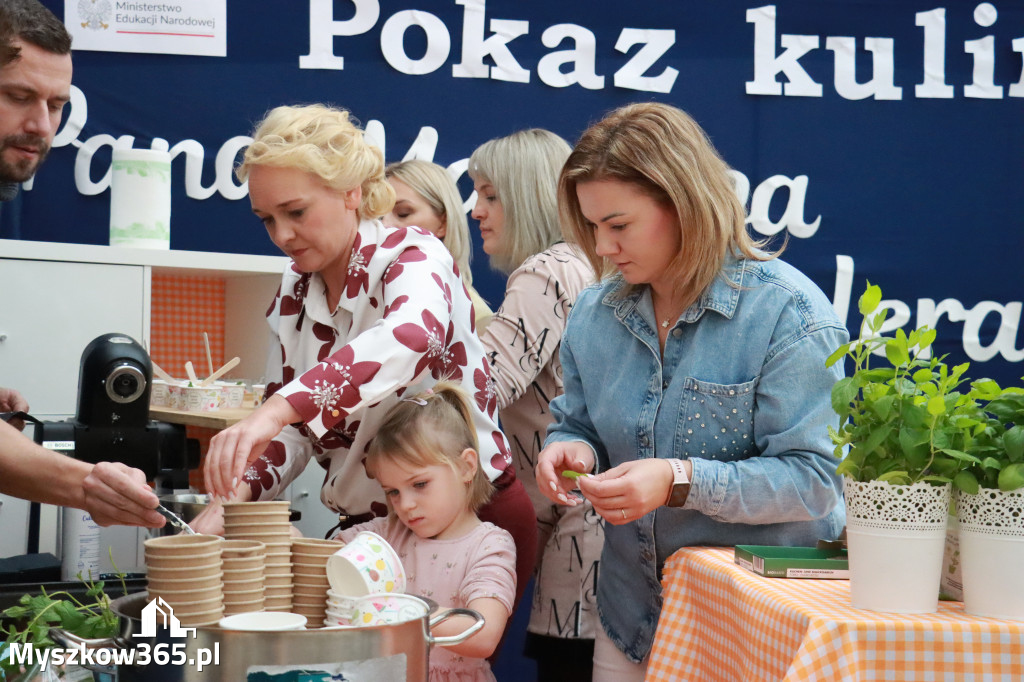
{"points": [[175, 520]]}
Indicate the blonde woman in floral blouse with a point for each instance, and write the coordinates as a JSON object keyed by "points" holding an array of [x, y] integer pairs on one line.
{"points": [[364, 314], [516, 178]]}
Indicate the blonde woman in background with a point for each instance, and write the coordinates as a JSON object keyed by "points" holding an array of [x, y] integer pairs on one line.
{"points": [[426, 196], [516, 180]]}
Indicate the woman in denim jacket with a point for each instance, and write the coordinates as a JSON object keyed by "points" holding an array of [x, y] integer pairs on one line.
{"points": [[695, 379]]}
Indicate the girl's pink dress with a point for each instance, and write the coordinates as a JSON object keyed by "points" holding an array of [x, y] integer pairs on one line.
{"points": [[453, 573]]}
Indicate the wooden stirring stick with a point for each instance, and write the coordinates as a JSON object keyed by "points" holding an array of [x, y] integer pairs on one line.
{"points": [[159, 371], [231, 364], [209, 358], [190, 370]]}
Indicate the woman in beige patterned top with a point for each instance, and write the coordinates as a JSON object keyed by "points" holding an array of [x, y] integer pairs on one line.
{"points": [[516, 178]]}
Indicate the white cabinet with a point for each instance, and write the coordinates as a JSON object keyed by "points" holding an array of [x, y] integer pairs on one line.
{"points": [[62, 296], [60, 308]]}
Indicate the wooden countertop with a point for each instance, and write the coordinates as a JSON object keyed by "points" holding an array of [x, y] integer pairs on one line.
{"points": [[221, 419]]}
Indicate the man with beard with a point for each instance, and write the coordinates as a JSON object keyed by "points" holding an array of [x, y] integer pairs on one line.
{"points": [[35, 84]]}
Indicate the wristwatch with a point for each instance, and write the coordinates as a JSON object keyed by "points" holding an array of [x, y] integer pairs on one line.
{"points": [[680, 489]]}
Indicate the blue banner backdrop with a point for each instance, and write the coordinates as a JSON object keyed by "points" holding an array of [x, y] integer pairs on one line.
{"points": [[884, 138]]}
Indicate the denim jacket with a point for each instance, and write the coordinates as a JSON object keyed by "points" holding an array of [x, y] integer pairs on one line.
{"points": [[742, 391]]}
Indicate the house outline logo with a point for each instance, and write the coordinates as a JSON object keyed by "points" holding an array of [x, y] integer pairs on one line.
{"points": [[158, 609]]}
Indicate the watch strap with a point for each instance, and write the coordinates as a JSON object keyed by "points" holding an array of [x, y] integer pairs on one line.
{"points": [[680, 489]]}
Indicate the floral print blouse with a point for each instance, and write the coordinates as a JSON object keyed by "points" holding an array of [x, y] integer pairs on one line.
{"points": [[404, 322]]}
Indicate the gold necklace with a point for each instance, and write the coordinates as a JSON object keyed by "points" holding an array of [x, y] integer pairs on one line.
{"points": [[666, 322]]}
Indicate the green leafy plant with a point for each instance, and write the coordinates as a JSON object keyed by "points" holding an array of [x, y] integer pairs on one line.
{"points": [[35, 614], [905, 422], [997, 445]]}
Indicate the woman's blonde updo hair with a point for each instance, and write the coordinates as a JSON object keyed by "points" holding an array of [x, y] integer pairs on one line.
{"points": [[325, 142], [430, 428]]}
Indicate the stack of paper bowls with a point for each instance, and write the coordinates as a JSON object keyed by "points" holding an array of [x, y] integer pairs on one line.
{"points": [[185, 572], [266, 522], [340, 609], [244, 562], [309, 576]]}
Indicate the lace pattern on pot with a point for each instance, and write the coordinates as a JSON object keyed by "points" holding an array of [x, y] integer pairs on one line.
{"points": [[992, 512], [877, 504]]}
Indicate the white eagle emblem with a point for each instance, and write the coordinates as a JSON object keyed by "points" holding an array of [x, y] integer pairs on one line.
{"points": [[95, 14]]}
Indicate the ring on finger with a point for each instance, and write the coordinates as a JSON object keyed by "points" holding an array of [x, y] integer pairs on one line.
{"points": [[624, 517]]}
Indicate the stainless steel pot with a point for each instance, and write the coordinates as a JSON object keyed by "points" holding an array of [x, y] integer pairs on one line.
{"points": [[386, 652]]}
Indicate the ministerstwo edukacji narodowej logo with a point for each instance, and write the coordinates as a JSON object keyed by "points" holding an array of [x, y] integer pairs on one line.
{"points": [[95, 14]]}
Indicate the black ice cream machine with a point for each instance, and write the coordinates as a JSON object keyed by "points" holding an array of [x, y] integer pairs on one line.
{"points": [[112, 421]]}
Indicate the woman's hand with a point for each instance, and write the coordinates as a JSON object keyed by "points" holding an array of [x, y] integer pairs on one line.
{"points": [[12, 401], [116, 494], [210, 521], [628, 491], [556, 458], [235, 447]]}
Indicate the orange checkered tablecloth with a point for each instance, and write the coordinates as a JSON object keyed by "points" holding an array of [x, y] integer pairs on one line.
{"points": [[722, 622]]}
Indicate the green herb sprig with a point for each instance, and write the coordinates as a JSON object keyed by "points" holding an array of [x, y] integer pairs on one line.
{"points": [[919, 419], [35, 615], [907, 422]]}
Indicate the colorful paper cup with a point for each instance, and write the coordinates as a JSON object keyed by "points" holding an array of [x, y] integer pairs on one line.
{"points": [[366, 565], [388, 609]]}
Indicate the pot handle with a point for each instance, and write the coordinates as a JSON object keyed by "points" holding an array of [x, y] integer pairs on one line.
{"points": [[462, 636], [69, 640]]}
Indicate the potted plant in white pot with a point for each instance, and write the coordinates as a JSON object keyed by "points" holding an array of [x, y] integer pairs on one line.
{"points": [[990, 503], [901, 446]]}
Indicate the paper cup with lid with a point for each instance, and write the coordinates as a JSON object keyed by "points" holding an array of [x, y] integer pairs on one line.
{"points": [[366, 565]]}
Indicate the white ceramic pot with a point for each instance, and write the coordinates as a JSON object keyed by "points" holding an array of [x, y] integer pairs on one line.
{"points": [[896, 536], [992, 552]]}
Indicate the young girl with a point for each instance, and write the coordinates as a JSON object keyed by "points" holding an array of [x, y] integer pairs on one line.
{"points": [[425, 458]]}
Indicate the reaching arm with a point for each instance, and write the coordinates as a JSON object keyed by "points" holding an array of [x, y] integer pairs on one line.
{"points": [[482, 643], [12, 401], [113, 493]]}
